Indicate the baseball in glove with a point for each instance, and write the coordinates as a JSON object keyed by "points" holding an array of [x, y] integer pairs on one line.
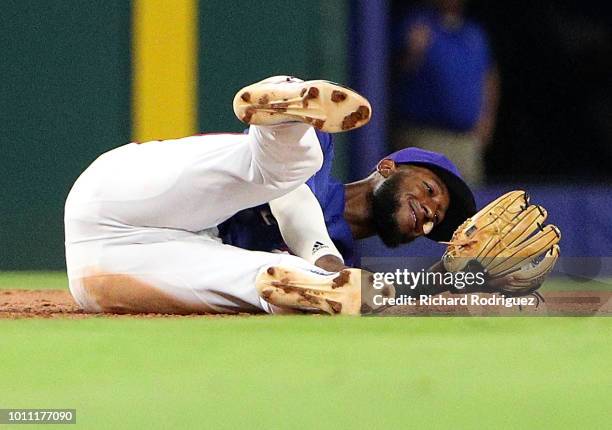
{"points": [[508, 240]]}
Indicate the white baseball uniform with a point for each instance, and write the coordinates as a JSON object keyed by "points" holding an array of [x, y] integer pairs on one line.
{"points": [[150, 211]]}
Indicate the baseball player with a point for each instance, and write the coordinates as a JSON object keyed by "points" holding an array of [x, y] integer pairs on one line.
{"points": [[410, 193], [407, 195], [143, 221]]}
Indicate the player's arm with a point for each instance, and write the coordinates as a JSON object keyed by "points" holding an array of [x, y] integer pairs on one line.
{"points": [[302, 225]]}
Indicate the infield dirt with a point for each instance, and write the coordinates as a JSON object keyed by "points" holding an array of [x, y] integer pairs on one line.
{"points": [[20, 303]]}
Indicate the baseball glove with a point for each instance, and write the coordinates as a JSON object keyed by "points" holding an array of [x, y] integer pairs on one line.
{"points": [[508, 241]]}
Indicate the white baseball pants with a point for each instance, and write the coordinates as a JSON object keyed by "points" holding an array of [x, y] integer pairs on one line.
{"points": [[140, 222]]}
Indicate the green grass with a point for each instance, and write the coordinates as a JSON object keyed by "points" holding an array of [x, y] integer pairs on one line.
{"points": [[309, 372], [313, 372], [566, 284], [33, 280]]}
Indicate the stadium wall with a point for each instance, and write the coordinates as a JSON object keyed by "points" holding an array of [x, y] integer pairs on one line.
{"points": [[80, 78], [65, 99]]}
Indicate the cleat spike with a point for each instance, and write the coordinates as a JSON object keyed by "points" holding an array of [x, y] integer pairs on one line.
{"points": [[313, 93], [338, 96]]}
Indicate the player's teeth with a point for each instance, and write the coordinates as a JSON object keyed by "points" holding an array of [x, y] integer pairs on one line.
{"points": [[427, 227]]}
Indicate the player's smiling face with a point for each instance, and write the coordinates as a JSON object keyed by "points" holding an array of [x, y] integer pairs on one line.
{"points": [[410, 201]]}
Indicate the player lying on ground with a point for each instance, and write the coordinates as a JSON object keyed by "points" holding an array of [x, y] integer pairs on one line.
{"points": [[141, 221], [410, 193]]}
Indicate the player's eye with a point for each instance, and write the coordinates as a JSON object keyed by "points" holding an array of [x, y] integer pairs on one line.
{"points": [[428, 188]]}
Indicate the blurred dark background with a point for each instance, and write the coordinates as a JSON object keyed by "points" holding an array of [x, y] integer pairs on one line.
{"points": [[552, 127], [554, 120]]}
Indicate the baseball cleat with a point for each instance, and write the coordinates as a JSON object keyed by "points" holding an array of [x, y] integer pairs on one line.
{"points": [[325, 105], [333, 293]]}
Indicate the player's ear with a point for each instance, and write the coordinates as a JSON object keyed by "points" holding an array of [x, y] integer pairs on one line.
{"points": [[386, 167]]}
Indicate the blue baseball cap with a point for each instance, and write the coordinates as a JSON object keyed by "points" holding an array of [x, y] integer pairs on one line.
{"points": [[462, 204]]}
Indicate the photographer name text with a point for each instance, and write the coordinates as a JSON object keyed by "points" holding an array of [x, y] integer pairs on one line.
{"points": [[457, 300]]}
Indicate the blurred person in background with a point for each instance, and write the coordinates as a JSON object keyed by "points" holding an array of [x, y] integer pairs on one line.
{"points": [[446, 85]]}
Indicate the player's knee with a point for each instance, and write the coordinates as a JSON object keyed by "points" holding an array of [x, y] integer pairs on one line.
{"points": [[82, 296]]}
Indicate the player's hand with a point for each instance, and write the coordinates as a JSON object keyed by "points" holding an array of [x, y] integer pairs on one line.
{"points": [[331, 263]]}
